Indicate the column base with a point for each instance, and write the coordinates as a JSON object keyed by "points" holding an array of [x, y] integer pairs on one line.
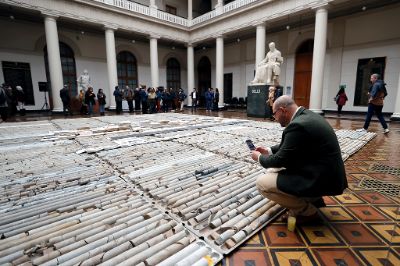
{"points": [[112, 107], [56, 110], [395, 117]]}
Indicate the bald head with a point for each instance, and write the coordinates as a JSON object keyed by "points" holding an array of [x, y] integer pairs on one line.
{"points": [[284, 101]]}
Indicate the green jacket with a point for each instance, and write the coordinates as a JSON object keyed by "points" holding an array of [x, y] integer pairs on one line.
{"points": [[310, 152]]}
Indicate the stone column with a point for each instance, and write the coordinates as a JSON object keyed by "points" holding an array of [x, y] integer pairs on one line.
{"points": [[190, 10], [219, 69], [53, 53], [260, 43], [190, 72], [111, 64], [396, 114], [321, 25], [154, 61]]}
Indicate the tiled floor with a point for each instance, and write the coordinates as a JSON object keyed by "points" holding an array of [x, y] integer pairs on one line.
{"points": [[360, 227]]}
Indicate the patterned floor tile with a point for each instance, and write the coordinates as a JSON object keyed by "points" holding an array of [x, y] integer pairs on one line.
{"points": [[278, 235], [336, 214], [367, 213], [292, 257], [375, 197], [320, 236], [336, 256], [392, 211], [348, 198], [255, 241], [248, 258], [389, 232], [378, 256], [356, 234], [330, 201]]}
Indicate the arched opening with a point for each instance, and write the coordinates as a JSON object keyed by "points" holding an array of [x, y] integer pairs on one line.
{"points": [[302, 73], [68, 71], [127, 70], [204, 77], [173, 74]]}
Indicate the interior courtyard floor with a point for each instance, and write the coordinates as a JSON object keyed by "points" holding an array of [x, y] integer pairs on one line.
{"points": [[360, 227]]}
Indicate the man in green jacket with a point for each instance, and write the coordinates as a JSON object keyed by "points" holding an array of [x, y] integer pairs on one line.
{"points": [[305, 166]]}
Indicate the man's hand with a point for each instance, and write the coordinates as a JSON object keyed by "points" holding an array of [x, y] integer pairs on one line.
{"points": [[255, 154], [262, 150]]}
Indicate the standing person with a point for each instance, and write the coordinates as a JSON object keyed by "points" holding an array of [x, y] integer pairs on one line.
{"points": [[101, 98], [151, 100], [181, 99], [3, 103], [305, 166], [20, 100], [216, 99], [129, 95], [82, 101], [194, 99], [271, 100], [137, 99], [143, 99], [90, 99], [341, 99], [66, 100], [118, 100], [376, 95], [209, 99]]}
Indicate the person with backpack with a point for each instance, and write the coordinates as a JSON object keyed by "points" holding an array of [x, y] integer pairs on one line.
{"points": [[340, 99], [376, 95], [129, 96]]}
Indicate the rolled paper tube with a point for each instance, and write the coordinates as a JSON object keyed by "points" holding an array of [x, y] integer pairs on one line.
{"points": [[181, 254], [193, 257]]}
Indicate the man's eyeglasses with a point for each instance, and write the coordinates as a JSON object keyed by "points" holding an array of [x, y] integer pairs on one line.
{"points": [[274, 113]]}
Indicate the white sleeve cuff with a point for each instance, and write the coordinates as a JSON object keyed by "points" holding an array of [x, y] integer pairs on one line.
{"points": [[269, 151]]}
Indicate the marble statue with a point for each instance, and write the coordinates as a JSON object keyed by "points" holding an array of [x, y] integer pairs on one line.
{"points": [[269, 69], [84, 81]]}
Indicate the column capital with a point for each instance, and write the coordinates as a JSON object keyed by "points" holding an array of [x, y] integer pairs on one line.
{"points": [[189, 44], [109, 26], [50, 14], [218, 35], [259, 23], [323, 4], [154, 36]]}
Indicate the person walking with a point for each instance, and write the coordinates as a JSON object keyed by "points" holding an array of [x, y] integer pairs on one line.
{"points": [[66, 100], [305, 166], [194, 99], [101, 98], [216, 99], [20, 94], [3, 103], [129, 96], [340, 99], [376, 95]]}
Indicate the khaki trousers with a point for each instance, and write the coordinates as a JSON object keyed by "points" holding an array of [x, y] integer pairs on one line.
{"points": [[267, 186]]}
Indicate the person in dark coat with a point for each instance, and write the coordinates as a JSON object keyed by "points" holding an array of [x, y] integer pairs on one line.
{"points": [[101, 98], [341, 99], [66, 100], [90, 99], [305, 166], [118, 99]]}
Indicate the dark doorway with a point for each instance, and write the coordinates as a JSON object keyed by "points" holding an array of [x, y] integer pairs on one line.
{"points": [[302, 73], [19, 74], [204, 75], [227, 87], [365, 68], [173, 74]]}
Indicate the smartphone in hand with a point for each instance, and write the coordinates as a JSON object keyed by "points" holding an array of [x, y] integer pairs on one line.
{"points": [[250, 145]]}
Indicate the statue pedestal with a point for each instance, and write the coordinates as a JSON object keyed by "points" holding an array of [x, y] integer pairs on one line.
{"points": [[257, 95]]}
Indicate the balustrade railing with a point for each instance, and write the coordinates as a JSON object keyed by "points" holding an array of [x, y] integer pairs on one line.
{"points": [[145, 10]]}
